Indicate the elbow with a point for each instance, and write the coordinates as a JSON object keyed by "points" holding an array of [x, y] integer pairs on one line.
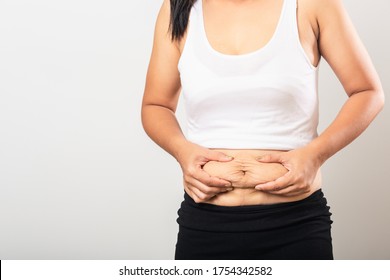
{"points": [[376, 102], [376, 98], [380, 99], [144, 116], [373, 100]]}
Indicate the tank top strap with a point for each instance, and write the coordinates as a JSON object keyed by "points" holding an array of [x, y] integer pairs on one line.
{"points": [[289, 34], [287, 30]]}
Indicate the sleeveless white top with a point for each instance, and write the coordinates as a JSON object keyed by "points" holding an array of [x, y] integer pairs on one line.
{"points": [[265, 99]]}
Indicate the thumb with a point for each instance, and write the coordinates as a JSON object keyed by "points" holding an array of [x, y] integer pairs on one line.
{"points": [[276, 157], [218, 156]]}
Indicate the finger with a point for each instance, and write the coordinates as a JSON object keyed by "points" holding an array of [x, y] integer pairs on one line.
{"points": [[218, 156], [201, 195], [205, 188], [288, 191], [274, 157], [192, 194], [188, 191], [293, 190], [276, 185], [211, 181]]}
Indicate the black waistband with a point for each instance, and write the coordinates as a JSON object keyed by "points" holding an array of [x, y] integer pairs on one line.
{"points": [[210, 217]]}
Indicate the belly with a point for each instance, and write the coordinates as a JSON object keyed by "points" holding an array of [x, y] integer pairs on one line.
{"points": [[245, 172]]}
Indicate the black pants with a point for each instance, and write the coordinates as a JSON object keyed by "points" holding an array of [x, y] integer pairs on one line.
{"points": [[281, 231]]}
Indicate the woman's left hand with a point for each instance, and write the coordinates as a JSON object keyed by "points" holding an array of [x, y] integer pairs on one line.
{"points": [[302, 165]]}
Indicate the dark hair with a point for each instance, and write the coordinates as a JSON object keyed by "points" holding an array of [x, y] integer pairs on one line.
{"points": [[180, 12]]}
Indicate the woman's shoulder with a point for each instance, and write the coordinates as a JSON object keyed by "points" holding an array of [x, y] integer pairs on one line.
{"points": [[163, 17], [325, 11], [163, 27], [322, 13]]}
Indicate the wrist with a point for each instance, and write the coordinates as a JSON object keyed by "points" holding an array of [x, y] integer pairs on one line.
{"points": [[179, 146], [318, 152]]}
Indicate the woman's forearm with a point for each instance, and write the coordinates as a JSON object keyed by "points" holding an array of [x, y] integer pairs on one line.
{"points": [[303, 163], [357, 113], [162, 127]]}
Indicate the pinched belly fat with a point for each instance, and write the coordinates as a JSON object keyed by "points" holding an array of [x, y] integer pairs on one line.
{"points": [[245, 172]]}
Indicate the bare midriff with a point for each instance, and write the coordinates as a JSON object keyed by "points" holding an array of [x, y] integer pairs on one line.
{"points": [[245, 172]]}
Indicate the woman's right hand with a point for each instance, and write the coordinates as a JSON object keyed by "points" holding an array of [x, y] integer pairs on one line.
{"points": [[198, 184]]}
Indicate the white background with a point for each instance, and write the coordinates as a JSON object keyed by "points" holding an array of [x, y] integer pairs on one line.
{"points": [[80, 179]]}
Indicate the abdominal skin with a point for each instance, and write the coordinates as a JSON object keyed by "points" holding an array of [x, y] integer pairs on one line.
{"points": [[245, 171]]}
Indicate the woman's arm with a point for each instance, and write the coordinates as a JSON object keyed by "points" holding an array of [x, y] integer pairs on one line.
{"points": [[162, 89], [342, 48]]}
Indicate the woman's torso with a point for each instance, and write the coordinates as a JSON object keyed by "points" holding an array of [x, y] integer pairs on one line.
{"points": [[229, 30]]}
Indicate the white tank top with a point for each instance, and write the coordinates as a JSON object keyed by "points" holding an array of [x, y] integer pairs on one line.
{"points": [[265, 99]]}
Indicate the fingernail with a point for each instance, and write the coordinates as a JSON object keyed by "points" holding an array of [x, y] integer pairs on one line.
{"points": [[228, 157], [230, 189], [228, 185], [258, 158]]}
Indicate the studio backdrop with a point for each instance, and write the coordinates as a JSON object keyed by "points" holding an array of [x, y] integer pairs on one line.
{"points": [[80, 179]]}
